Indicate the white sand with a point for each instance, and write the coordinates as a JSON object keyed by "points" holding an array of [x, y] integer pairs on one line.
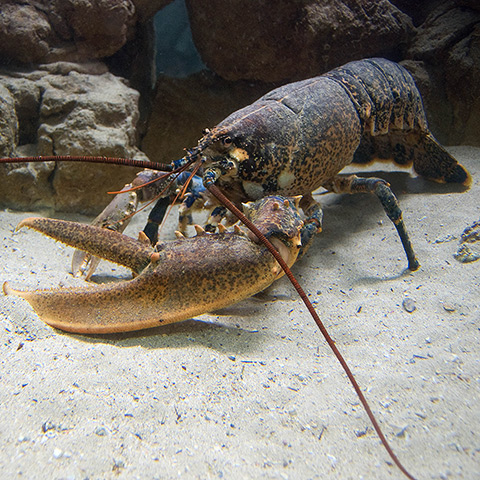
{"points": [[255, 392]]}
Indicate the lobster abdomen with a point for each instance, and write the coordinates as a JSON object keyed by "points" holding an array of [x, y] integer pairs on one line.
{"points": [[384, 94], [393, 120]]}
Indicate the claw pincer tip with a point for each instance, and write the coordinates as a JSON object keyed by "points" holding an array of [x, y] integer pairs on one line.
{"points": [[7, 290]]}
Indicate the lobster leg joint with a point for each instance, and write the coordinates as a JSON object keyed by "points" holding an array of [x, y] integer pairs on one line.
{"points": [[354, 184]]}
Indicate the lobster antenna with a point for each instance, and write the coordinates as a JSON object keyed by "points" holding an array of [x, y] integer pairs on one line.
{"points": [[128, 162], [222, 198]]}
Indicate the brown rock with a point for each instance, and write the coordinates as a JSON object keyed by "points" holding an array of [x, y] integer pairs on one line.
{"points": [[445, 60], [98, 28], [285, 40], [44, 31], [25, 33], [463, 88]]}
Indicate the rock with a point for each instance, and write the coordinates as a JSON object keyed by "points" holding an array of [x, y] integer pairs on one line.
{"points": [[66, 32], [184, 107], [98, 28], [74, 114], [73, 30], [8, 123], [93, 67], [448, 307], [469, 247], [444, 58], [22, 185], [293, 40], [408, 305], [101, 431], [25, 33], [57, 453]]}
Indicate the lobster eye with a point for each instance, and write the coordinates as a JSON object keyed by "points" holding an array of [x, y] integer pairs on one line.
{"points": [[227, 141]]}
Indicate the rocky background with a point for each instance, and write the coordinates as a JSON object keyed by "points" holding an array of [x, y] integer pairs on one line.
{"points": [[79, 76]]}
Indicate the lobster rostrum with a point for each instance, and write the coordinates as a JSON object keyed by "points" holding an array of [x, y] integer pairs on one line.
{"points": [[290, 142]]}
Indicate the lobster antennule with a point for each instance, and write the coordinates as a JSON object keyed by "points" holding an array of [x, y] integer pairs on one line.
{"points": [[209, 136]]}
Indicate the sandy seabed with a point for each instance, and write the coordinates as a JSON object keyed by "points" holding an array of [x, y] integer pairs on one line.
{"points": [[253, 391]]}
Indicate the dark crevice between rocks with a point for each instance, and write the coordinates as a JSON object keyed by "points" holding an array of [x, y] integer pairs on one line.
{"points": [[28, 123]]}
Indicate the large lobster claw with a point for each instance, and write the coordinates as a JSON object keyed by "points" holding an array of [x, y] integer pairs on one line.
{"points": [[177, 280]]}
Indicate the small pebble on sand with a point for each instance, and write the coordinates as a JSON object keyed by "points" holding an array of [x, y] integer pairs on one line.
{"points": [[408, 305]]}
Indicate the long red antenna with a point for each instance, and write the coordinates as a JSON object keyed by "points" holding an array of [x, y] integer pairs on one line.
{"points": [[222, 198], [129, 162]]}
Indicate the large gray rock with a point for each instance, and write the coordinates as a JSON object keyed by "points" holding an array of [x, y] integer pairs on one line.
{"points": [[74, 114]]}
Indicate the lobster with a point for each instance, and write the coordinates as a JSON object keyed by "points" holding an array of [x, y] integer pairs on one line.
{"points": [[298, 138]]}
